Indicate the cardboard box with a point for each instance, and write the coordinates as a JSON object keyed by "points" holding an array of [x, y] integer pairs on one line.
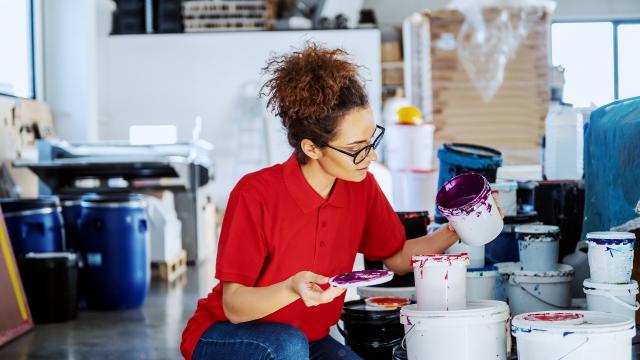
{"points": [[390, 51]]}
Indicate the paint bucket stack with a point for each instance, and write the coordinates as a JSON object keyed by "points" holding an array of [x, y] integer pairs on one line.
{"points": [[537, 282], [443, 316], [409, 156], [610, 288]]}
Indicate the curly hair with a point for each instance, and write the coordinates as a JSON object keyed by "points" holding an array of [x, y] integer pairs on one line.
{"points": [[311, 90]]}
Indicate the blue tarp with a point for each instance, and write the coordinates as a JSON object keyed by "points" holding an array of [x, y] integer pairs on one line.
{"points": [[612, 165]]}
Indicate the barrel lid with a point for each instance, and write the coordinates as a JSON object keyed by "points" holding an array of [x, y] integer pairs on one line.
{"points": [[114, 201], [566, 323], [611, 235], [420, 261], [537, 229], [562, 273], [475, 308], [473, 150], [51, 255], [630, 288], [11, 205]]}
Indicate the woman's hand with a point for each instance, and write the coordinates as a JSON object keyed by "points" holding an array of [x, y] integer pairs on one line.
{"points": [[305, 284]]}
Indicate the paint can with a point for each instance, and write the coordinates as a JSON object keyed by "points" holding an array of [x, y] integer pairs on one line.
{"points": [[561, 203], [504, 269], [415, 225], [371, 333], [505, 191], [115, 248], [477, 332], [34, 224], [374, 291], [458, 158], [505, 247], [467, 204], [414, 190], [610, 256], [612, 298], [410, 146], [481, 283], [476, 253], [573, 335], [538, 246], [440, 281], [540, 290]]}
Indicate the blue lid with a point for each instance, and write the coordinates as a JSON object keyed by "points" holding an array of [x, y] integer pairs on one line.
{"points": [[469, 155]]}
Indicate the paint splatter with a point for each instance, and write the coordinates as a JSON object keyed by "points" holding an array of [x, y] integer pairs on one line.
{"points": [[559, 316]]}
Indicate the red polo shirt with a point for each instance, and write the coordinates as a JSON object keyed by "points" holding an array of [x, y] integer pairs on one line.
{"points": [[276, 225]]}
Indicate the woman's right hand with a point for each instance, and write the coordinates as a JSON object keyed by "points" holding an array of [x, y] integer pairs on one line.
{"points": [[306, 285]]}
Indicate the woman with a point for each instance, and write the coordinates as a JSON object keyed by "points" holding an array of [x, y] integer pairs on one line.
{"points": [[289, 227]]}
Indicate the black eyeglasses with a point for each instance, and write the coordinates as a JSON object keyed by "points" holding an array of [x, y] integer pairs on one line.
{"points": [[362, 154]]}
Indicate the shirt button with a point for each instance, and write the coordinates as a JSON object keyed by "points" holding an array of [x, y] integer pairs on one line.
{"points": [[324, 224], [321, 243]]}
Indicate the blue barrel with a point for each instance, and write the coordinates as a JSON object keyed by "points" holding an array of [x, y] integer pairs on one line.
{"points": [[71, 209], [114, 243], [34, 224], [456, 159]]}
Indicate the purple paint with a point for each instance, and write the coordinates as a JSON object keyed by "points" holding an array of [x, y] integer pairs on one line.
{"points": [[359, 276], [463, 195]]}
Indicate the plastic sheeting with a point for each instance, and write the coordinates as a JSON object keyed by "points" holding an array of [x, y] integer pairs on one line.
{"points": [[612, 165]]}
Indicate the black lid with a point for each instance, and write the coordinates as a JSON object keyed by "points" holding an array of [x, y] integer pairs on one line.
{"points": [[12, 205], [521, 218]]}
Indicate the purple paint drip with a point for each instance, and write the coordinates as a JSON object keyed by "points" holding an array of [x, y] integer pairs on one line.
{"points": [[359, 276], [463, 195]]}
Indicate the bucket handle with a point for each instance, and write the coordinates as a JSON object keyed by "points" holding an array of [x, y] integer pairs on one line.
{"points": [[403, 342], [586, 340], [633, 307], [541, 300]]}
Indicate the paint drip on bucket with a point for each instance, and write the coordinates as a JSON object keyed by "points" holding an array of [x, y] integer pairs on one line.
{"points": [[440, 281]]}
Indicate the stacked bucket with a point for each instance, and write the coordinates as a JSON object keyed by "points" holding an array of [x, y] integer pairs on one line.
{"points": [[610, 287], [538, 282]]}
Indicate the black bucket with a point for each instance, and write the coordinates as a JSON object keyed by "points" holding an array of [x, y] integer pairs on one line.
{"points": [[50, 281], [369, 332], [415, 225], [561, 203]]}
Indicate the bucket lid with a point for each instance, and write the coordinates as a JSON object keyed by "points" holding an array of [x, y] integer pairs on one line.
{"points": [[537, 229], [387, 302], [562, 273], [473, 150], [67, 256], [507, 267], [610, 237], [504, 186], [487, 271], [590, 287], [566, 323], [491, 310], [14, 205], [420, 261]]}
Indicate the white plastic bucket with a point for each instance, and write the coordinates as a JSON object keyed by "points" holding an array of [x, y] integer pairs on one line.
{"points": [[467, 203], [481, 283], [505, 269], [573, 335], [410, 146], [440, 281], [610, 256], [477, 332], [506, 194], [476, 253], [414, 190], [612, 298], [373, 291], [529, 291], [538, 246]]}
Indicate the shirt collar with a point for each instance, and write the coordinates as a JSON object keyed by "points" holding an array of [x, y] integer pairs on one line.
{"points": [[303, 194]]}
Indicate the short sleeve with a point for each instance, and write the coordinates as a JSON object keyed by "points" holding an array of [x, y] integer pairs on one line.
{"points": [[242, 246], [383, 234]]}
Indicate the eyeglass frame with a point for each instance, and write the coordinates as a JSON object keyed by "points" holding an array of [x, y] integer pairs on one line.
{"points": [[374, 144]]}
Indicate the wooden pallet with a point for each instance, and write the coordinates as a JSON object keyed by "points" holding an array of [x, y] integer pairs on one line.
{"points": [[170, 270]]}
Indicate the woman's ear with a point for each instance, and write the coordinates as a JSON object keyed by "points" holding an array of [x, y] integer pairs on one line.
{"points": [[310, 149]]}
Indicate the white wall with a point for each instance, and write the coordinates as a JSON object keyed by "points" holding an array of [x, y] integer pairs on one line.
{"points": [[168, 79]]}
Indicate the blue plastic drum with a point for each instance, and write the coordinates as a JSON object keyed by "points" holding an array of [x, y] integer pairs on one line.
{"points": [[114, 243], [456, 159], [34, 224]]}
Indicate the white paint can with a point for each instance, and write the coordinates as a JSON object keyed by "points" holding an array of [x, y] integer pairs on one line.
{"points": [[505, 269], [612, 298], [476, 253], [573, 335], [467, 203], [440, 281], [506, 194], [610, 256], [477, 332], [410, 146], [481, 283], [529, 291], [374, 291], [538, 246]]}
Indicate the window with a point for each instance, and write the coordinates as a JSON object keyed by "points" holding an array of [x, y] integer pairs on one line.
{"points": [[600, 60], [16, 47]]}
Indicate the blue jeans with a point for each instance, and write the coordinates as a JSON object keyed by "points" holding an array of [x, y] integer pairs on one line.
{"points": [[266, 341]]}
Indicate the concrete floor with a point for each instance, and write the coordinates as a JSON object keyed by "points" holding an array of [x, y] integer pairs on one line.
{"points": [[151, 332]]}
